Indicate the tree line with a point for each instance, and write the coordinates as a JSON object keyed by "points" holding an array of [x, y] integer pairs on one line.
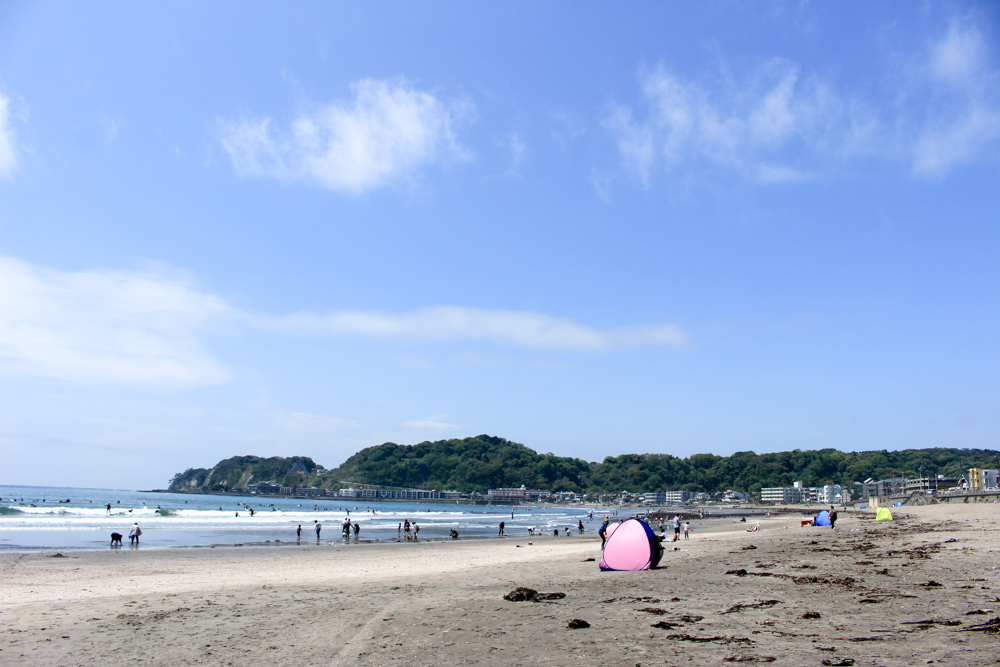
{"points": [[484, 462]]}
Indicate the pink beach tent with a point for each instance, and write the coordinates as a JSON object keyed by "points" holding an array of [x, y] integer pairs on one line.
{"points": [[631, 545]]}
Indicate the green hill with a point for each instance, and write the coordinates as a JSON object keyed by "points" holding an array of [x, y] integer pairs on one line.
{"points": [[484, 462]]}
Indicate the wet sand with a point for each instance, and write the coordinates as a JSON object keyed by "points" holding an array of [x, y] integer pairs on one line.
{"points": [[902, 593]]}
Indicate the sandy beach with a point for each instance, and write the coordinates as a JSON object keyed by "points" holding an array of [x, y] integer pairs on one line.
{"points": [[876, 593]]}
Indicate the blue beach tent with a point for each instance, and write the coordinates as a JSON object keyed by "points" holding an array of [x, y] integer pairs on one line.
{"points": [[822, 519]]}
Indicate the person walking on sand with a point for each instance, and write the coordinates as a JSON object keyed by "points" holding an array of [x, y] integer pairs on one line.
{"points": [[677, 527], [687, 530], [603, 531], [133, 535], [319, 527], [500, 534]]}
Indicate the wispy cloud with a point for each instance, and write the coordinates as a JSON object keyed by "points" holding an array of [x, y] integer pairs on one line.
{"points": [[388, 132], [305, 422], [455, 323], [780, 124], [8, 152], [149, 329], [105, 327], [963, 103], [431, 425], [752, 128]]}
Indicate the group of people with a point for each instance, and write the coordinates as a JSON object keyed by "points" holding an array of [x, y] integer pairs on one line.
{"points": [[409, 531], [345, 529]]}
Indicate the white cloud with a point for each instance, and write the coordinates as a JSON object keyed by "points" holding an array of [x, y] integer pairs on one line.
{"points": [[431, 425], [103, 328], [305, 422], [388, 132], [963, 104], [454, 323], [514, 145], [147, 329], [8, 153], [779, 125], [775, 117]]}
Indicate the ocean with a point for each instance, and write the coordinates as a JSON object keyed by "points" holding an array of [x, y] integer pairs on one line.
{"points": [[35, 518]]}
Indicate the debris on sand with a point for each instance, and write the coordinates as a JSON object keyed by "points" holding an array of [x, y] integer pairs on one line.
{"points": [[748, 547], [578, 624], [810, 614], [57, 555], [703, 640], [750, 658], [665, 625], [991, 626], [654, 610], [523, 594], [978, 612], [690, 618], [846, 662], [587, 560], [736, 608], [739, 573], [549, 596], [930, 621], [931, 584]]}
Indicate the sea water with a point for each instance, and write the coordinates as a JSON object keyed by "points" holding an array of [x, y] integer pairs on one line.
{"points": [[44, 518]]}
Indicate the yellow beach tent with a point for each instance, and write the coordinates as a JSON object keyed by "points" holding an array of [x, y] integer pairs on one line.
{"points": [[883, 514]]}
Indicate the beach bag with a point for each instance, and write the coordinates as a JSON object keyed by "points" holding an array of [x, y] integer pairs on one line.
{"points": [[631, 545]]}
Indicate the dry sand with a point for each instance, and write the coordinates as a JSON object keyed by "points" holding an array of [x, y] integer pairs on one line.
{"points": [[871, 584]]}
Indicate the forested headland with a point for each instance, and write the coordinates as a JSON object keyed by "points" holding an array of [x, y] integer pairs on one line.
{"points": [[483, 462]]}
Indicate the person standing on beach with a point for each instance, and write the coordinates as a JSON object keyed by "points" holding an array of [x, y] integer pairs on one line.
{"points": [[603, 531], [399, 531], [109, 509], [677, 527], [133, 535], [416, 531], [500, 534], [687, 530], [298, 533], [833, 517], [319, 527], [357, 529]]}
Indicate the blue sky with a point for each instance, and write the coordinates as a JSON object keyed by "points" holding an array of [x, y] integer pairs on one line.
{"points": [[672, 228]]}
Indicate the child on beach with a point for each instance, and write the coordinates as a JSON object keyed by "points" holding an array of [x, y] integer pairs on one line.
{"points": [[687, 530]]}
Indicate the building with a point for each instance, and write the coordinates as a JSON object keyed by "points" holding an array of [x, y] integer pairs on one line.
{"points": [[781, 495], [263, 488], [654, 498], [981, 479], [677, 497], [390, 494], [512, 495]]}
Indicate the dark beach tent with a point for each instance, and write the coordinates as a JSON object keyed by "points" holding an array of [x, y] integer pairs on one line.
{"points": [[883, 514], [632, 546], [822, 519]]}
